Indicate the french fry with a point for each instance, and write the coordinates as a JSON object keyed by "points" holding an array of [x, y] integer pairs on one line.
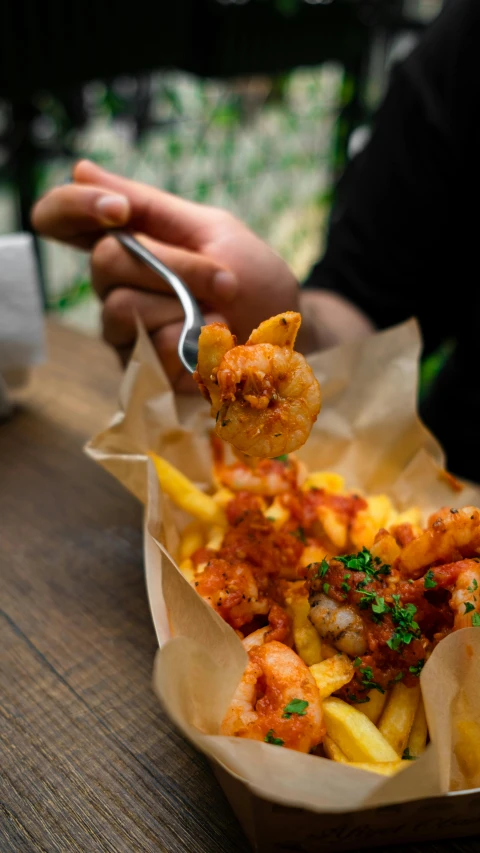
{"points": [[368, 522], [335, 528], [411, 516], [397, 719], [223, 497], [312, 554], [277, 513], [331, 674], [467, 748], [306, 639], [333, 751], [333, 483], [192, 538], [215, 538], [385, 548], [328, 651], [418, 734], [385, 768], [355, 734], [187, 570], [185, 494], [373, 709]]}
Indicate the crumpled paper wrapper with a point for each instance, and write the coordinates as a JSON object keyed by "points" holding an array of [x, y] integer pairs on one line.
{"points": [[368, 431]]}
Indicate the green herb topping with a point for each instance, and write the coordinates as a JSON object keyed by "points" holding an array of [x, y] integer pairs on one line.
{"points": [[270, 738], [296, 706], [364, 562], [406, 629], [417, 668]]}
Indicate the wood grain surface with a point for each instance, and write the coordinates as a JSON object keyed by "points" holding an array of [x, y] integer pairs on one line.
{"points": [[88, 760]]}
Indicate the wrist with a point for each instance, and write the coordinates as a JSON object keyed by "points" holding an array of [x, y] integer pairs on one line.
{"points": [[329, 320]]}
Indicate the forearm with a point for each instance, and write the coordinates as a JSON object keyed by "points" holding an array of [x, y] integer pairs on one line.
{"points": [[329, 320]]}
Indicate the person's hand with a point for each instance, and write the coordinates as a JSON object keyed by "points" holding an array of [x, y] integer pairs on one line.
{"points": [[233, 274]]}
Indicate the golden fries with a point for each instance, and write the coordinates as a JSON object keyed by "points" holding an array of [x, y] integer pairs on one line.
{"points": [[397, 719], [418, 734], [324, 480], [192, 538], [355, 734], [306, 638], [369, 521], [335, 528], [333, 751], [332, 674], [312, 554], [215, 538], [467, 748], [187, 570], [185, 494], [373, 709], [277, 513]]}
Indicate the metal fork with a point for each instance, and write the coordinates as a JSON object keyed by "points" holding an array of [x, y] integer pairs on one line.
{"points": [[194, 320]]}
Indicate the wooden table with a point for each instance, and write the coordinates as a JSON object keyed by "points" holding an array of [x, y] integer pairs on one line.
{"points": [[88, 760]]}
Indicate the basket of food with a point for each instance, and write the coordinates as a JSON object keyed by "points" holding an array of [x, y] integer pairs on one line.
{"points": [[314, 584]]}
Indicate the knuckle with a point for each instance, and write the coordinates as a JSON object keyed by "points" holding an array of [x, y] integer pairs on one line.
{"points": [[104, 258]]}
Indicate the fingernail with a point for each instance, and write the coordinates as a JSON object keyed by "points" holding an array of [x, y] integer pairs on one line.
{"points": [[225, 285], [112, 209]]}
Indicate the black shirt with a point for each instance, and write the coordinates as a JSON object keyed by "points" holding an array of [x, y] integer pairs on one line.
{"points": [[404, 238]]}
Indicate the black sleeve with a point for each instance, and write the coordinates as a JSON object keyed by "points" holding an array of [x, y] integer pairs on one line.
{"points": [[405, 238], [398, 242]]}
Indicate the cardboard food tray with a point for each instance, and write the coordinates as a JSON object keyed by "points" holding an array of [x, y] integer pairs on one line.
{"points": [[369, 432]]}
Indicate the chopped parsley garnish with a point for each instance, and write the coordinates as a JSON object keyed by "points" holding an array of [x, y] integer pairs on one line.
{"points": [[296, 706], [357, 661], [299, 533], [224, 423], [326, 587], [270, 738], [322, 569], [417, 668], [406, 629], [377, 602], [364, 562], [473, 586], [358, 701], [380, 607], [469, 607], [476, 620], [429, 582], [368, 680], [344, 586], [283, 459], [398, 676], [406, 756]]}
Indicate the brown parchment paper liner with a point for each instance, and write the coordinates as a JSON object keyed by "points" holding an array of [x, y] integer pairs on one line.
{"points": [[369, 431]]}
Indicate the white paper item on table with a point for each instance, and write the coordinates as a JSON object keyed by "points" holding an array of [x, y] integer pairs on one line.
{"points": [[21, 321]]}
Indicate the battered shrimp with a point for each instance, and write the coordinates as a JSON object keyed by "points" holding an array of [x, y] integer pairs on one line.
{"points": [[275, 676], [264, 396], [465, 600], [232, 591], [339, 624], [449, 538]]}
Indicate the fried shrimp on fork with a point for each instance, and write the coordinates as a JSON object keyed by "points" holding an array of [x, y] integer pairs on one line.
{"points": [[264, 396], [277, 701]]}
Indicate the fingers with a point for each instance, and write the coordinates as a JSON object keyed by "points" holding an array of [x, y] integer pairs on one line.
{"points": [[163, 319], [79, 215], [113, 266], [159, 214], [123, 305]]}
